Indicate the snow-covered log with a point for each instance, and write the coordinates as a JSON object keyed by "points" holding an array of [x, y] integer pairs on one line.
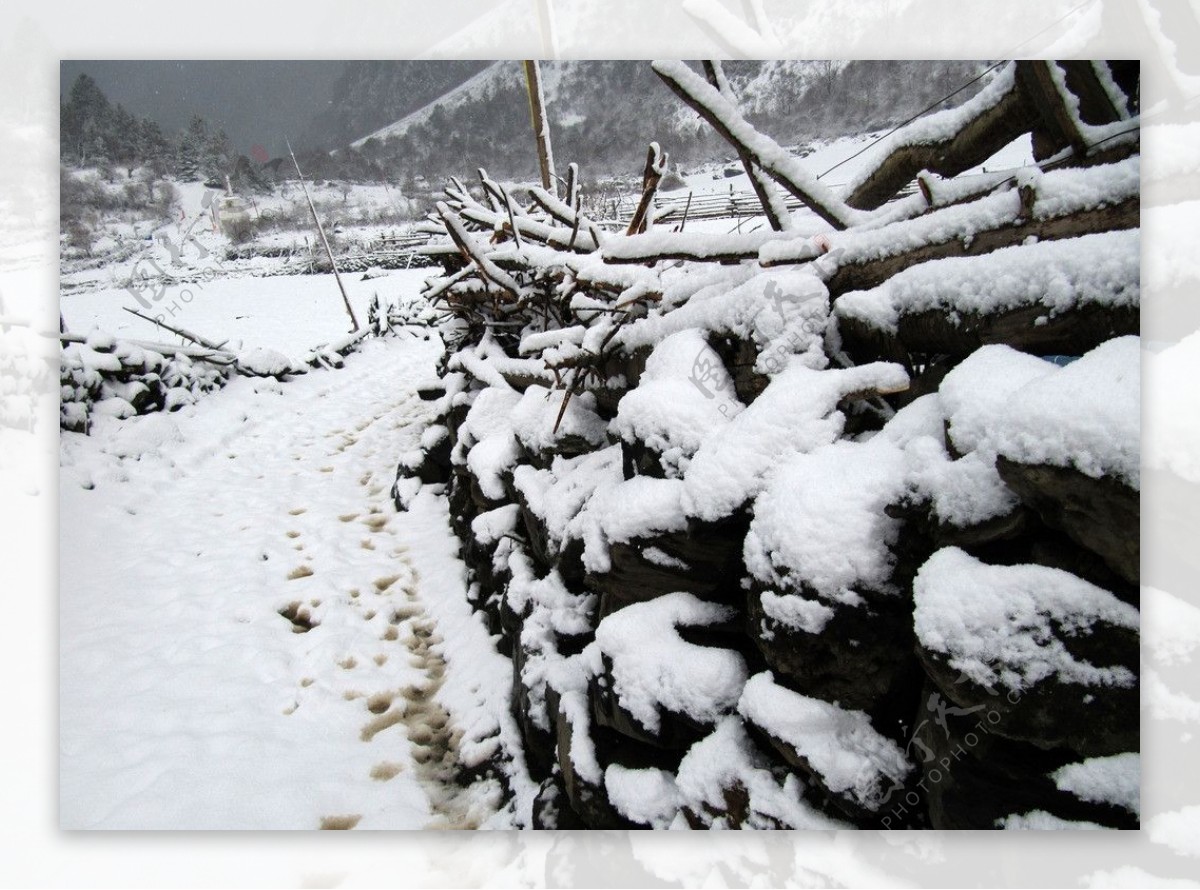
{"points": [[758, 148]]}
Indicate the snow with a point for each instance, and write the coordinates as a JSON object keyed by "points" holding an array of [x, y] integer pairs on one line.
{"points": [[1086, 415], [535, 415], [287, 313], [727, 759], [783, 311], [1113, 780], [976, 391], [264, 362], [1057, 193], [621, 512], [188, 701], [840, 746], [670, 674], [795, 413], [820, 523], [647, 796], [1002, 625], [1040, 820], [558, 494], [1101, 269], [669, 410], [487, 438]]}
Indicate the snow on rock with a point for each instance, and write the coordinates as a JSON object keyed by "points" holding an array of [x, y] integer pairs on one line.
{"points": [[1086, 415], [535, 415], [976, 391], [784, 312], [486, 437], [620, 512], [655, 669], [820, 524], [1101, 269], [1114, 780], [670, 411], [263, 362], [645, 796], [796, 413], [1007, 625], [838, 747], [1040, 820], [726, 764], [556, 495]]}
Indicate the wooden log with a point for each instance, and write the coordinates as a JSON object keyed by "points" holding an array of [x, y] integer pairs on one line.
{"points": [[178, 331], [772, 205], [473, 253], [977, 139], [1012, 231], [541, 125], [656, 165], [197, 353], [557, 209], [1033, 329], [694, 246], [763, 151], [530, 229]]}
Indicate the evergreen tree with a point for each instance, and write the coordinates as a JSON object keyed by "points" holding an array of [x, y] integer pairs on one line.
{"points": [[190, 154], [86, 122]]}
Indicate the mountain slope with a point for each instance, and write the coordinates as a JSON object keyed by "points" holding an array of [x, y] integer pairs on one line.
{"points": [[604, 113]]}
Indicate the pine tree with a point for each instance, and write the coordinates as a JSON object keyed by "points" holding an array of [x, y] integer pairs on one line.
{"points": [[190, 155], [86, 122]]}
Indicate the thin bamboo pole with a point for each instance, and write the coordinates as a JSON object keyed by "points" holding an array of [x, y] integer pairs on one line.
{"points": [[541, 125], [321, 231]]}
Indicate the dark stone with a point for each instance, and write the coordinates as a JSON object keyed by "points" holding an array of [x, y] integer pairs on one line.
{"points": [[973, 776], [862, 659], [431, 392], [1091, 720], [676, 731], [639, 459], [739, 357], [552, 809], [839, 805], [538, 742], [435, 464], [711, 551], [1102, 515]]}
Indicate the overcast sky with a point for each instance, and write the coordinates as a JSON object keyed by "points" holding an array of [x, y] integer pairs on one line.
{"points": [[257, 103]]}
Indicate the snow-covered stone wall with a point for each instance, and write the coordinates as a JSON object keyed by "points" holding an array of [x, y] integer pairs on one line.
{"points": [[764, 555]]}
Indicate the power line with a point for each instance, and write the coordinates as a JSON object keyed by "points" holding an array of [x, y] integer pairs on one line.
{"points": [[921, 113]]}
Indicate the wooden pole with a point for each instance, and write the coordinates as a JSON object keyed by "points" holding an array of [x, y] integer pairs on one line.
{"points": [[541, 125], [321, 231]]}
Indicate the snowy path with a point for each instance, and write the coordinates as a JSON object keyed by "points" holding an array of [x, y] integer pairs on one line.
{"points": [[246, 639]]}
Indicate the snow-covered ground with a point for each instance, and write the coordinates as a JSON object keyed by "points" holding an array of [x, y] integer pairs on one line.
{"points": [[250, 635], [288, 313]]}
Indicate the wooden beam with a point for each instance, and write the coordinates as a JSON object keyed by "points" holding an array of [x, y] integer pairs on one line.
{"points": [[541, 124], [656, 165], [975, 140], [773, 208], [761, 150], [871, 273]]}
